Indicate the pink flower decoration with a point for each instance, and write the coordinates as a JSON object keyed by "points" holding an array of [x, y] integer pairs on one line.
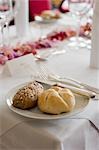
{"points": [[3, 59]]}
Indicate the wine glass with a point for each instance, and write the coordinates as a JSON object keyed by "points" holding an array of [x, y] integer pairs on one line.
{"points": [[11, 16], [79, 9], [5, 10]]}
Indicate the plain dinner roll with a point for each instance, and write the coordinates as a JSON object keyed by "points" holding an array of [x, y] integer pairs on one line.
{"points": [[56, 100]]}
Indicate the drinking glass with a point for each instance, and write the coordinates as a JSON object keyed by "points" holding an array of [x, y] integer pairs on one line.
{"points": [[5, 10], [11, 16], [79, 9]]}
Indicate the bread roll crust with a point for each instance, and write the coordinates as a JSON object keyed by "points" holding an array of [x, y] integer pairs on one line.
{"points": [[56, 100], [27, 96]]}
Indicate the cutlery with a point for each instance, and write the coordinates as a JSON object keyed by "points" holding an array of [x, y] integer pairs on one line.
{"points": [[83, 92], [73, 82], [44, 76], [57, 79], [79, 90]]}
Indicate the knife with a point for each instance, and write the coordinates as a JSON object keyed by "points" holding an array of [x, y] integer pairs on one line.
{"points": [[73, 83], [80, 91]]}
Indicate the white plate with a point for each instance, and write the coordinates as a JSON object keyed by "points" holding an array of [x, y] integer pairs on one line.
{"points": [[81, 103]]}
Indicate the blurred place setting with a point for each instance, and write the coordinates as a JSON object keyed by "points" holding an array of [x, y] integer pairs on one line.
{"points": [[45, 24]]}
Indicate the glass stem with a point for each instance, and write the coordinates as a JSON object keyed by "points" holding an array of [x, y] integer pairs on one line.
{"points": [[8, 33], [2, 35], [78, 28]]}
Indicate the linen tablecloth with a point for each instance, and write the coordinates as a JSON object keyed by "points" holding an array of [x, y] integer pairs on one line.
{"points": [[18, 133], [75, 133]]}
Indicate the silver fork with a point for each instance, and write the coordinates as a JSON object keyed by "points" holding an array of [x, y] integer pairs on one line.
{"points": [[41, 72], [44, 72], [42, 76], [68, 81], [74, 82], [47, 75]]}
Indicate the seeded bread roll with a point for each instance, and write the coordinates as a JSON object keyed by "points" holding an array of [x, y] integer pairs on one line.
{"points": [[27, 96], [56, 100]]}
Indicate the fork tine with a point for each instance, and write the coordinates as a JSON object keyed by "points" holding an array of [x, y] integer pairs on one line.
{"points": [[44, 72], [41, 73]]}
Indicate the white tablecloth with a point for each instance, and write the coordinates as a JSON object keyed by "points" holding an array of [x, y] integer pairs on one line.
{"points": [[75, 133]]}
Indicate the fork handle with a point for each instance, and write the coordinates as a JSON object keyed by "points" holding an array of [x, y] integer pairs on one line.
{"points": [[81, 85], [91, 88], [66, 82]]}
